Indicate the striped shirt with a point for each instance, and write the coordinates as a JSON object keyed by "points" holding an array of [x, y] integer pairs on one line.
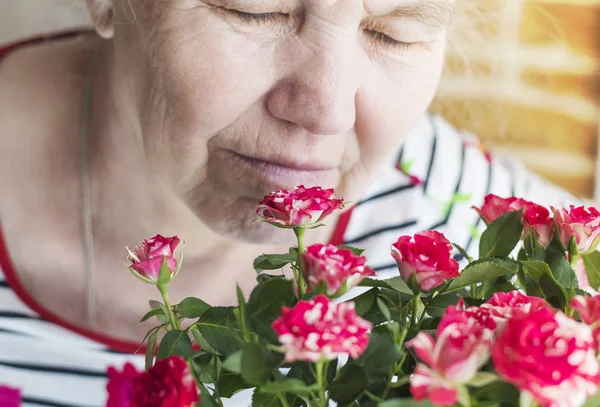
{"points": [[431, 183]]}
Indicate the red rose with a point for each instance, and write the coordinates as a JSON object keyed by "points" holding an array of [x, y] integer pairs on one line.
{"points": [[321, 329], [463, 343], [537, 220], [549, 357], [168, 383], [333, 269], [10, 397], [300, 207], [579, 222], [146, 261], [120, 386], [428, 257], [502, 306], [494, 207]]}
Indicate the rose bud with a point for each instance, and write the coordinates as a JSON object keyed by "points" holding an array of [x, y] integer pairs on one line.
{"points": [[146, 261], [333, 270], [580, 223], [427, 258], [537, 221], [463, 343], [494, 207]]}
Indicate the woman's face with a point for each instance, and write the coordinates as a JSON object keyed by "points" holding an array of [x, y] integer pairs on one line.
{"points": [[237, 98]]}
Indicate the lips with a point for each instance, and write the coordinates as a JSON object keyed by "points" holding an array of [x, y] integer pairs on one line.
{"points": [[283, 173]]}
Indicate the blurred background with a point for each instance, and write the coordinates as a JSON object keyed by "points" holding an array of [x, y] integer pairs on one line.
{"points": [[524, 75]]}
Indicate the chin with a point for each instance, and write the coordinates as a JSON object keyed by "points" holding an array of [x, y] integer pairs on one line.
{"points": [[239, 223]]}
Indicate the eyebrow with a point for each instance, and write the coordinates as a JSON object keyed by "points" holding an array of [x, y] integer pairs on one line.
{"points": [[433, 13]]}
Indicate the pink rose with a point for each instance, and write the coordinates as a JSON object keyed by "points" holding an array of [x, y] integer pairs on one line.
{"points": [[589, 312], [168, 383], [146, 261], [321, 329], [428, 257], [120, 386], [336, 270], [494, 207], [582, 278], [300, 207], [579, 222], [502, 306], [549, 356], [10, 397], [463, 343], [537, 220]]}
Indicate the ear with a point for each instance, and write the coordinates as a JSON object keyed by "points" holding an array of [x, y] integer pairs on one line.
{"points": [[102, 14]]}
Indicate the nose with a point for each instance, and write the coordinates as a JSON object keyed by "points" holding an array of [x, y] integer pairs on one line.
{"points": [[319, 95]]}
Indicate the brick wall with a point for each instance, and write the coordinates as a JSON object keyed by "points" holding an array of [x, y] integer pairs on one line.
{"points": [[523, 75]]}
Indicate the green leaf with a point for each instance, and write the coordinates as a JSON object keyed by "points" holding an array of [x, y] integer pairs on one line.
{"points": [[157, 305], [216, 326], [292, 385], [350, 384], [355, 250], [384, 309], [206, 398], [204, 366], [497, 392], [260, 399], [274, 261], [483, 379], [462, 252], [256, 364], [405, 403], [175, 343], [501, 236], [437, 306], [201, 341], [562, 271], [380, 353], [541, 273], [264, 306], [482, 270], [231, 383], [151, 347], [394, 283], [234, 362], [192, 307], [592, 267], [364, 302], [154, 313], [593, 401]]}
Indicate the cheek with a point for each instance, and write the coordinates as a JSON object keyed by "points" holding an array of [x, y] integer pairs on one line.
{"points": [[394, 98], [210, 76]]}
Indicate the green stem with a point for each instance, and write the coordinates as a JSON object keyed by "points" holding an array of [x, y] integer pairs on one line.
{"points": [[300, 277], [415, 306], [474, 293], [321, 368], [283, 399], [172, 320]]}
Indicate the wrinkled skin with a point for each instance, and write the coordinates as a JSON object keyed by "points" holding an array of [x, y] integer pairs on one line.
{"points": [[313, 85]]}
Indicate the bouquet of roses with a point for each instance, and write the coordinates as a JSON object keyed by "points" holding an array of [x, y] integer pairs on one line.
{"points": [[519, 326]]}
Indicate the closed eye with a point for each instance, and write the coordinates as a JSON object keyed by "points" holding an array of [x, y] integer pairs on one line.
{"points": [[387, 40], [257, 18]]}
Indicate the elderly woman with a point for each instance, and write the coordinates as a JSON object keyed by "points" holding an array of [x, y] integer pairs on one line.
{"points": [[177, 116]]}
